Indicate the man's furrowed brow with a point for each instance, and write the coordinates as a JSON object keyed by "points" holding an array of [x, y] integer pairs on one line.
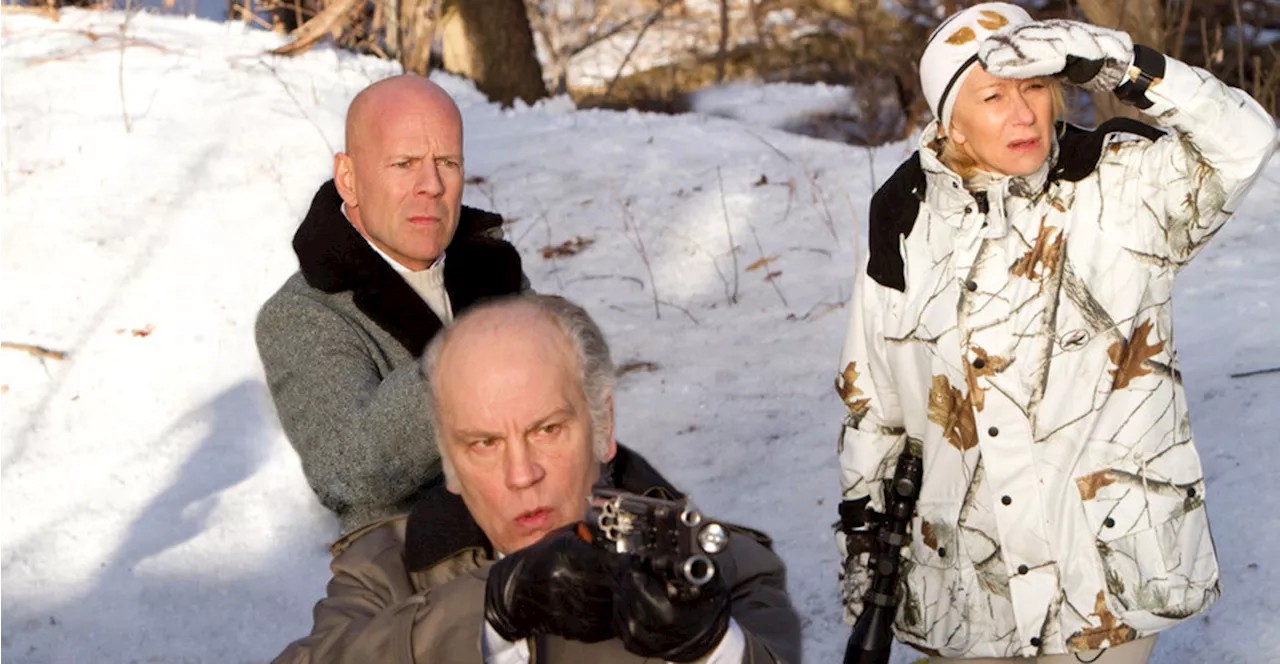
{"points": [[559, 414]]}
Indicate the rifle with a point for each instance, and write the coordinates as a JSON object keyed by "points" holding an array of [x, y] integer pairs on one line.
{"points": [[872, 635], [670, 535]]}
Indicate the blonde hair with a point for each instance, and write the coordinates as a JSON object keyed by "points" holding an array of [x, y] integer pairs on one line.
{"points": [[961, 163]]}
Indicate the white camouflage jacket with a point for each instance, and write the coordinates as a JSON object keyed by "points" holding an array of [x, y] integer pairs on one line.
{"points": [[1026, 342]]}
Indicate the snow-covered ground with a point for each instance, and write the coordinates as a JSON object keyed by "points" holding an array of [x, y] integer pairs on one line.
{"points": [[152, 509]]}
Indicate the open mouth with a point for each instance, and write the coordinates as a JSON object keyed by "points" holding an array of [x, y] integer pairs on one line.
{"points": [[535, 519], [1024, 144]]}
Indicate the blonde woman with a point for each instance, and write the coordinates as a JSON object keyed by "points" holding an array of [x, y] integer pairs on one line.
{"points": [[1014, 327]]}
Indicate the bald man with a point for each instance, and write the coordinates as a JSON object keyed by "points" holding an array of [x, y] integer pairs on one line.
{"points": [[387, 255], [486, 569]]}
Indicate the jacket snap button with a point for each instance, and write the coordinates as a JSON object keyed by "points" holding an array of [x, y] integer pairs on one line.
{"points": [[968, 209], [1191, 492], [979, 363], [993, 432], [942, 552], [1023, 569], [1006, 500], [971, 285], [1035, 641], [1110, 522]]}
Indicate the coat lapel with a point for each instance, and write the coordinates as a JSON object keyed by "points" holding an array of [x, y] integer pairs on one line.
{"points": [[334, 257]]}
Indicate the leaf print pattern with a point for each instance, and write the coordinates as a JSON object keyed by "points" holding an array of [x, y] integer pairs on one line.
{"points": [[1043, 259], [1089, 484], [847, 388], [1109, 634], [953, 412], [1129, 356]]}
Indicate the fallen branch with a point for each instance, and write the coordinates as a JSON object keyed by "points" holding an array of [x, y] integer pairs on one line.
{"points": [[46, 11], [310, 33], [38, 351]]}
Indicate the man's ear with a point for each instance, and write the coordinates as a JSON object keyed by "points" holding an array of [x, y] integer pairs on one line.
{"points": [[344, 177], [612, 449]]}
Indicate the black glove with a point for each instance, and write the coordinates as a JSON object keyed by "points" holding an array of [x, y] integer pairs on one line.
{"points": [[652, 624], [558, 585]]}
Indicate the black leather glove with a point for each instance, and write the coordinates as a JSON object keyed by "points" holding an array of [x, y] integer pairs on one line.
{"points": [[651, 624], [559, 585]]}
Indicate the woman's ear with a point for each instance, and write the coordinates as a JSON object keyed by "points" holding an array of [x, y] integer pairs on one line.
{"points": [[956, 135]]}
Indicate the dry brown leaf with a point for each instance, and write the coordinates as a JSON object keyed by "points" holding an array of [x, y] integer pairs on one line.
{"points": [[568, 247], [138, 332], [954, 413], [1042, 259], [761, 182], [773, 275], [1089, 484], [1129, 356], [761, 263]]}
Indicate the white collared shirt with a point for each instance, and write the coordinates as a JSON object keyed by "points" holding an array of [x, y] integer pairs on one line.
{"points": [[428, 283]]}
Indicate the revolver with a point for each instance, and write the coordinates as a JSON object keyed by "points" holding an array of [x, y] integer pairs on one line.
{"points": [[670, 535]]}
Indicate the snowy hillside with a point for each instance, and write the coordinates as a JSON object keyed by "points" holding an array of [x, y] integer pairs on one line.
{"points": [[152, 509]]}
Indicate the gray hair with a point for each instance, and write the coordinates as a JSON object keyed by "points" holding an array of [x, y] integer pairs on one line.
{"points": [[596, 372]]}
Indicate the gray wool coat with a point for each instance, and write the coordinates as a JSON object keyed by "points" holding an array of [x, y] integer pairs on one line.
{"points": [[340, 343]]}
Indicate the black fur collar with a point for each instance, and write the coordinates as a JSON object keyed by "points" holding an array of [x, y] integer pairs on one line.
{"points": [[334, 257], [895, 206], [440, 526]]}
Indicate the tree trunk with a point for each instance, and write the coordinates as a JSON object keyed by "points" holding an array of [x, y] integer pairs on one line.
{"points": [[1144, 21], [491, 43]]}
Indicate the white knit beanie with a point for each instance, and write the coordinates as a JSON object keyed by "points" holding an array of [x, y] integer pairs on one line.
{"points": [[952, 51]]}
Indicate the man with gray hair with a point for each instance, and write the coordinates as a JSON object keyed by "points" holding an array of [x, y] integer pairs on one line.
{"points": [[489, 568]]}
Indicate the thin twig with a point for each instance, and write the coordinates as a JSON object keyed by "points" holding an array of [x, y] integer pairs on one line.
{"points": [[592, 40], [637, 242], [643, 29], [555, 263], [298, 104], [124, 27], [595, 277], [38, 351], [815, 190], [724, 280], [1235, 5], [728, 229], [760, 248], [680, 309], [856, 223], [1256, 372]]}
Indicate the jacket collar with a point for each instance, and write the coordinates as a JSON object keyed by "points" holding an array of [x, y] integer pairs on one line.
{"points": [[334, 257], [960, 204], [439, 525]]}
